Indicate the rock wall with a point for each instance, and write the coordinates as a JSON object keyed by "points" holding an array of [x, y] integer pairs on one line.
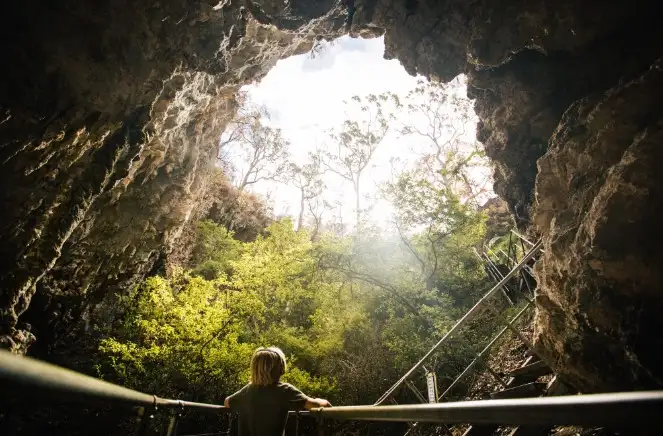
{"points": [[110, 114], [599, 204]]}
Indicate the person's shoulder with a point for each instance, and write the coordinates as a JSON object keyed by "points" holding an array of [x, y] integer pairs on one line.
{"points": [[293, 396], [238, 397], [244, 389], [287, 387]]}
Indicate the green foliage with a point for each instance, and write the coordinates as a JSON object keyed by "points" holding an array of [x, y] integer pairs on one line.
{"points": [[189, 334], [176, 317], [214, 249]]}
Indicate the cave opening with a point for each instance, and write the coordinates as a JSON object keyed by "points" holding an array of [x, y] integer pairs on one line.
{"points": [[307, 102]]}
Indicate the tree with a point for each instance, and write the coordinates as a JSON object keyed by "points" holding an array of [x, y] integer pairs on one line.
{"points": [[317, 207], [213, 250], [444, 118], [184, 333], [246, 115], [355, 143], [430, 218], [306, 178], [437, 199], [251, 149]]}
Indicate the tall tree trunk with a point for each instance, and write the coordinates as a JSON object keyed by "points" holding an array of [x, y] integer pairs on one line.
{"points": [[300, 220], [316, 229], [244, 182], [357, 205]]}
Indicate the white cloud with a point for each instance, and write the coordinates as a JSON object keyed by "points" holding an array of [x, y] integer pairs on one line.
{"points": [[309, 91]]}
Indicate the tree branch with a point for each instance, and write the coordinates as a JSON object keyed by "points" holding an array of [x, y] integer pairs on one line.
{"points": [[411, 248]]}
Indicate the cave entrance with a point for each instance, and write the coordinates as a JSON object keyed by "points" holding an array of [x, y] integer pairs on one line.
{"points": [[324, 135]]}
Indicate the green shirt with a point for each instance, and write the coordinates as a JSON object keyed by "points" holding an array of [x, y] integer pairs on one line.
{"points": [[263, 410]]}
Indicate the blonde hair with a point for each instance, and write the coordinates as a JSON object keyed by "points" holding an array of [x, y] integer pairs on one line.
{"points": [[267, 366]]}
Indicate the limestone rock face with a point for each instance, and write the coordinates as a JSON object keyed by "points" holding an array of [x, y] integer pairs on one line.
{"points": [[498, 219], [110, 113], [599, 204]]}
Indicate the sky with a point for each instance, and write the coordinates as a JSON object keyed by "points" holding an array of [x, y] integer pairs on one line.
{"points": [[305, 97]]}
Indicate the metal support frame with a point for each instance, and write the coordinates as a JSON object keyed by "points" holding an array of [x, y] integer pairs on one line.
{"points": [[525, 269], [416, 392], [515, 256], [469, 315], [529, 288], [522, 238], [483, 352], [490, 268], [511, 327], [497, 276], [506, 256]]}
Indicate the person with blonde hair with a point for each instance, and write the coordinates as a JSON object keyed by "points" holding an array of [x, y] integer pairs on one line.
{"points": [[263, 404]]}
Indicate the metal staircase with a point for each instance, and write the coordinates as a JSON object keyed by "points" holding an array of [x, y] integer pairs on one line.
{"points": [[513, 291]]}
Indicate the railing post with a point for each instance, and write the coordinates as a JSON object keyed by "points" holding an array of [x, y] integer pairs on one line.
{"points": [[511, 327], [508, 255], [321, 426], [174, 421], [145, 415], [172, 425], [140, 414], [142, 421]]}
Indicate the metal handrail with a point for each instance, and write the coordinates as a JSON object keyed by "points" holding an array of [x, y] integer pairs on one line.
{"points": [[618, 409], [471, 313], [24, 371], [626, 409]]}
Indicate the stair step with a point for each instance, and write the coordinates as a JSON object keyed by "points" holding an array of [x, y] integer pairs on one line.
{"points": [[557, 387], [554, 387], [517, 381], [530, 431], [530, 359], [481, 430], [527, 390], [532, 370]]}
